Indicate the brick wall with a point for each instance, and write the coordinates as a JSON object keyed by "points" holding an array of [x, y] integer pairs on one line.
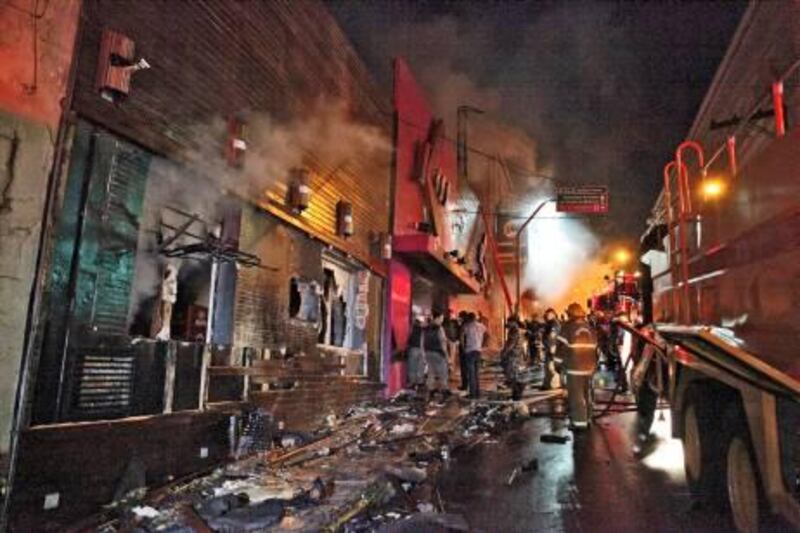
{"points": [[262, 294]]}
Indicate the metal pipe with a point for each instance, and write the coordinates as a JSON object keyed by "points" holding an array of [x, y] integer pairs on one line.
{"points": [[496, 258], [517, 259], [730, 143], [777, 106]]}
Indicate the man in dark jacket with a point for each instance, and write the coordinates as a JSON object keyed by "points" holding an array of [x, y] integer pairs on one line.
{"points": [[578, 350], [434, 342], [415, 356]]}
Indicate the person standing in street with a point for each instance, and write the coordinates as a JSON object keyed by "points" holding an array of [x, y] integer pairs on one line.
{"points": [[577, 347], [451, 331], [462, 360], [472, 341], [512, 359], [415, 357], [434, 344]]}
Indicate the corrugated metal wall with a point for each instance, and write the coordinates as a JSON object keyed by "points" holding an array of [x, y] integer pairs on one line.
{"points": [[210, 60]]}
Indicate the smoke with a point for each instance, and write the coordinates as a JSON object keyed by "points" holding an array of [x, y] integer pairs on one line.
{"points": [[323, 136], [595, 84], [561, 253]]}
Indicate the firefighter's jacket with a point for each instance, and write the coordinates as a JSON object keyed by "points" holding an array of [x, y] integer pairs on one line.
{"points": [[577, 347]]}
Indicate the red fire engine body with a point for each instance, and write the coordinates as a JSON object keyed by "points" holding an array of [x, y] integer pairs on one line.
{"points": [[621, 295], [725, 269]]}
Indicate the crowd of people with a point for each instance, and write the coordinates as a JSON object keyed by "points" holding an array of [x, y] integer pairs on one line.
{"points": [[436, 341], [567, 349]]}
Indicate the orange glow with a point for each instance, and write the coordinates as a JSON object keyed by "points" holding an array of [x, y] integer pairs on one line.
{"points": [[622, 256], [713, 188]]}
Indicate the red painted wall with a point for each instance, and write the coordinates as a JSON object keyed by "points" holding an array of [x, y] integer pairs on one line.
{"points": [[34, 88], [414, 118], [399, 320]]}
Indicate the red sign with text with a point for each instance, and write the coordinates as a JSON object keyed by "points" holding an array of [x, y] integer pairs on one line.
{"points": [[587, 199]]}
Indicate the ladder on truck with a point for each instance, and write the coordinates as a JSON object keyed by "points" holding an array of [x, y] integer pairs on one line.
{"points": [[678, 207]]}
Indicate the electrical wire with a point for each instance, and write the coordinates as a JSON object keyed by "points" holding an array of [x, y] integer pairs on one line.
{"points": [[478, 151]]}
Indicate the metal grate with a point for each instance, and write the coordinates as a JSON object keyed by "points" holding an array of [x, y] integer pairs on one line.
{"points": [[105, 383]]}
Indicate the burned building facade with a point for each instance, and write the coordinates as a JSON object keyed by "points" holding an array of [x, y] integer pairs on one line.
{"points": [[215, 184]]}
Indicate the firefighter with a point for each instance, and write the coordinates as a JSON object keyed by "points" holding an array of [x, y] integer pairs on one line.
{"points": [[616, 344], [512, 358], [533, 334], [577, 348], [550, 331]]}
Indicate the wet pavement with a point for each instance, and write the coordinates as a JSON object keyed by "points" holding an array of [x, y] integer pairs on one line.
{"points": [[591, 483]]}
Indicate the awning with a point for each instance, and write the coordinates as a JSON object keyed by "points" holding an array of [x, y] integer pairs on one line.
{"points": [[423, 253]]}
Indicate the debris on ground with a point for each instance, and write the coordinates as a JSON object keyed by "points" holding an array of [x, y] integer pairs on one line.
{"points": [[554, 439], [372, 469]]}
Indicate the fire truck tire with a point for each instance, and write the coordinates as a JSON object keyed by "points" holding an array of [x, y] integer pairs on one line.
{"points": [[703, 452], [742, 484]]}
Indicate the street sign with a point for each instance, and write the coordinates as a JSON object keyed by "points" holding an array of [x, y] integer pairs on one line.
{"points": [[589, 199]]}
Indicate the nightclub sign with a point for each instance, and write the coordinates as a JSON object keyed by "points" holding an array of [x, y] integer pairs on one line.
{"points": [[588, 199]]}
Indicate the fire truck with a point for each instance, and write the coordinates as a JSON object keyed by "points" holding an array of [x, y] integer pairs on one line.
{"points": [[723, 252], [621, 295]]}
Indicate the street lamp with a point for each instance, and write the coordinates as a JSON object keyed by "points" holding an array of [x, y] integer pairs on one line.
{"points": [[622, 256], [713, 188]]}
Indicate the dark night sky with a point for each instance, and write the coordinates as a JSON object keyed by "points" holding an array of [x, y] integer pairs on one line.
{"points": [[604, 90]]}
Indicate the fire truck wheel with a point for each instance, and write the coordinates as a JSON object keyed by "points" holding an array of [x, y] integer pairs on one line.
{"points": [[703, 452], [742, 481]]}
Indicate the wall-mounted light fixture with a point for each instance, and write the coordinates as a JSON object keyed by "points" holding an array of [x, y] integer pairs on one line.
{"points": [[386, 246], [344, 219], [299, 192], [425, 225], [235, 144], [116, 64]]}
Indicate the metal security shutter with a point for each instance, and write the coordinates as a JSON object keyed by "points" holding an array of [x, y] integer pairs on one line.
{"points": [[103, 364], [116, 257]]}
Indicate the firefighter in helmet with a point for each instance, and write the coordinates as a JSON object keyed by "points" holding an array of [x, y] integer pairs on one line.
{"points": [[577, 347], [550, 331]]}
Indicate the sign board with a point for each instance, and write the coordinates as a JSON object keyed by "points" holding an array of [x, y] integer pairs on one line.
{"points": [[589, 199]]}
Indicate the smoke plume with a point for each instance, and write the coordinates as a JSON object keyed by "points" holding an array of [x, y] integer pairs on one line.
{"points": [[323, 136]]}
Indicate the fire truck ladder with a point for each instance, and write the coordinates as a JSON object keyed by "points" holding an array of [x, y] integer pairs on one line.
{"points": [[678, 207]]}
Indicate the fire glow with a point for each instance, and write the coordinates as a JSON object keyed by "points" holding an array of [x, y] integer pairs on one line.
{"points": [[561, 251]]}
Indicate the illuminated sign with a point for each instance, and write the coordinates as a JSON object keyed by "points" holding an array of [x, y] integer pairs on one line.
{"points": [[589, 199]]}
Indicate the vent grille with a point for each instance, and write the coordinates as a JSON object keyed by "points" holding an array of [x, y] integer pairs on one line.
{"points": [[105, 383]]}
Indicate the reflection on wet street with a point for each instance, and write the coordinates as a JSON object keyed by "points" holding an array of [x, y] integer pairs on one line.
{"points": [[593, 482]]}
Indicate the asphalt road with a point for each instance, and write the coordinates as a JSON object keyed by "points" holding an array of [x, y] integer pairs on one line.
{"points": [[591, 483]]}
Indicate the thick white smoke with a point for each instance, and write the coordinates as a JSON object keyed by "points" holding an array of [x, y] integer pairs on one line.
{"points": [[561, 253]]}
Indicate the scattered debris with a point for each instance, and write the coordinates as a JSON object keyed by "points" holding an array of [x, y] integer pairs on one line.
{"points": [[531, 466], [554, 439], [372, 469], [513, 476], [145, 511]]}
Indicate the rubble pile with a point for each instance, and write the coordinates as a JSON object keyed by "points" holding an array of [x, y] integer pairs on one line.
{"points": [[375, 468]]}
